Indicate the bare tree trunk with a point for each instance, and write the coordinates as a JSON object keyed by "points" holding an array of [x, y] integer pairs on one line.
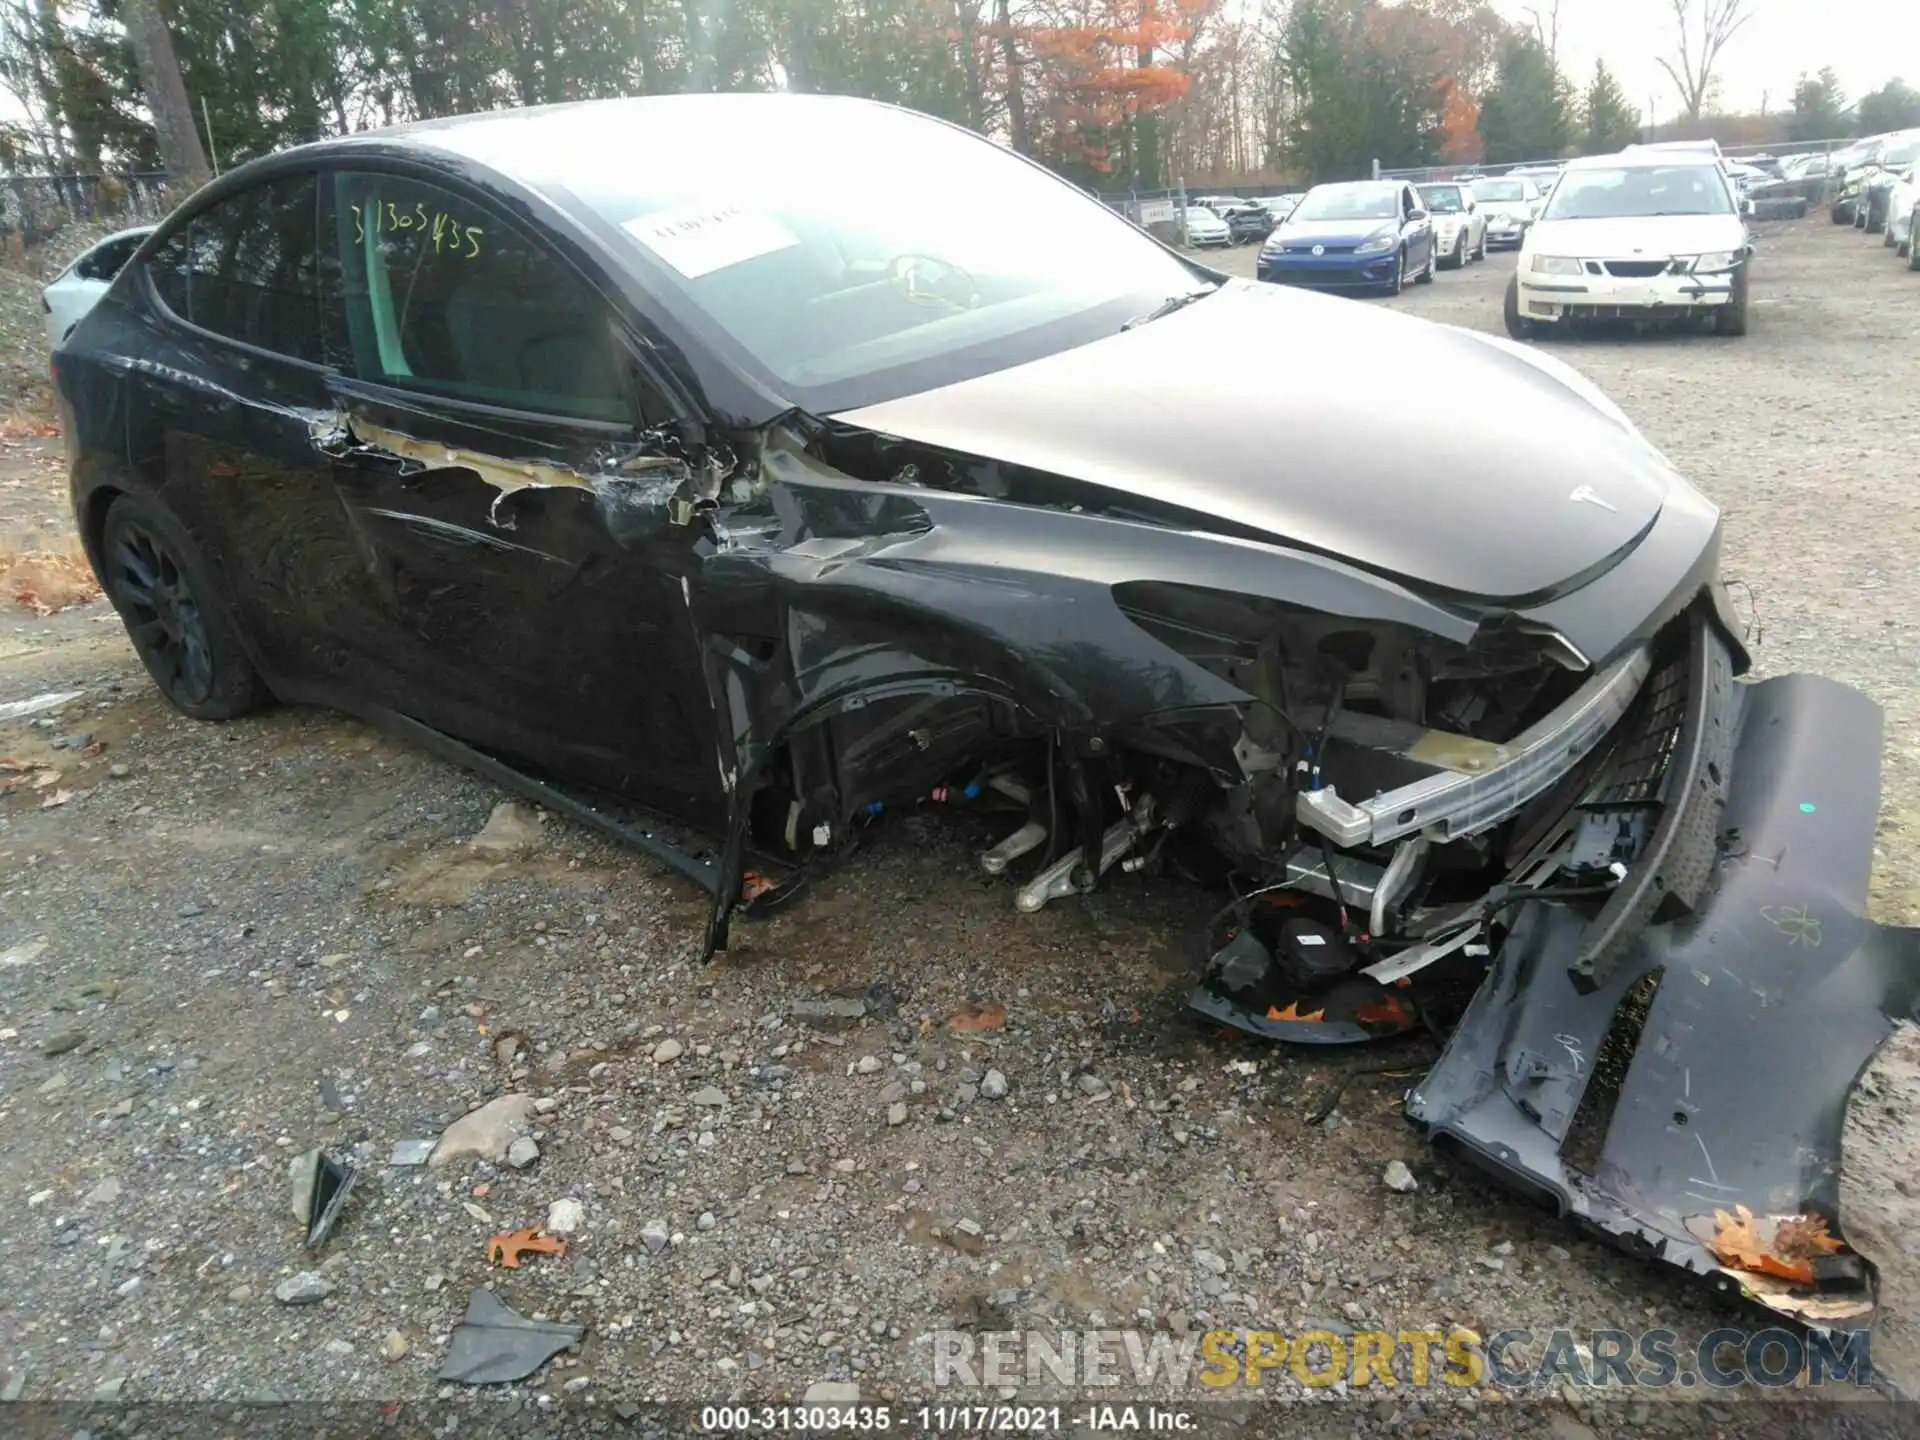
{"points": [[1016, 81], [967, 12], [180, 148]]}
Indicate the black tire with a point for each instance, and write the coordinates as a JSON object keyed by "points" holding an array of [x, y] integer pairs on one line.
{"points": [[1481, 253], [1839, 214], [1425, 277], [179, 625], [1458, 259], [1399, 281], [1731, 318], [1518, 326], [1913, 250]]}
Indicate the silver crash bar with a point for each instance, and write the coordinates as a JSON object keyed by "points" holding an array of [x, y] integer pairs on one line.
{"points": [[1449, 804]]}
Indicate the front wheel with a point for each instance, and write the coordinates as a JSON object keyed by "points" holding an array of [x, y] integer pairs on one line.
{"points": [[1481, 253], [1425, 277], [179, 626], [1913, 250], [1518, 326], [1731, 318], [1399, 281]]}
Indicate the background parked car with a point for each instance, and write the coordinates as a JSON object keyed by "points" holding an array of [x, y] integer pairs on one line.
{"points": [[1902, 196], [1359, 235], [1281, 206], [1247, 220], [1459, 229], [1509, 207], [1898, 152], [1206, 228], [1844, 176], [72, 292]]}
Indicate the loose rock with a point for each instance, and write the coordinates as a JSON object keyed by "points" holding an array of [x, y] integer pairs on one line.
{"points": [[522, 1152], [309, 1287], [993, 1086], [488, 1132], [1399, 1179]]}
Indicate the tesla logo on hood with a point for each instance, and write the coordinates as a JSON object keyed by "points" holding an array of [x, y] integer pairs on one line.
{"points": [[1585, 494]]}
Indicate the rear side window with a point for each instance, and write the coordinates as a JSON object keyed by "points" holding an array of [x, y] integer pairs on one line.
{"points": [[247, 269], [442, 295], [103, 262]]}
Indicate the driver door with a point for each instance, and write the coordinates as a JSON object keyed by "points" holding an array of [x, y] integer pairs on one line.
{"points": [[1417, 228], [522, 582]]}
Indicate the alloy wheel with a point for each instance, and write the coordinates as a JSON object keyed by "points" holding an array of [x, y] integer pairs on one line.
{"points": [[162, 613]]}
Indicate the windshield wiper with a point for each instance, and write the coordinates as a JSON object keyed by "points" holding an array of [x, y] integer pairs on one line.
{"points": [[1169, 305]]}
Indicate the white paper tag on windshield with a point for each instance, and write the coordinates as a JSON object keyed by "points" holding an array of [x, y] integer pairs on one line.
{"points": [[696, 240], [1311, 939]]}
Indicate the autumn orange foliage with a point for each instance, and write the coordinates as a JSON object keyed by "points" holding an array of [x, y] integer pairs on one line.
{"points": [[1460, 142], [1100, 63]]}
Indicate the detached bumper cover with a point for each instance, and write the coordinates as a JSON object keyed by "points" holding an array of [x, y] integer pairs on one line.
{"points": [[1641, 1079]]}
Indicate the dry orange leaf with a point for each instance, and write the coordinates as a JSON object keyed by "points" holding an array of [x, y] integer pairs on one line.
{"points": [[971, 1019], [1802, 1237], [508, 1248], [1738, 1244], [1292, 1012]]}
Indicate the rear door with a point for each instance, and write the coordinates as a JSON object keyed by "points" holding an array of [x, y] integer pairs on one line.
{"points": [[221, 364], [527, 588]]}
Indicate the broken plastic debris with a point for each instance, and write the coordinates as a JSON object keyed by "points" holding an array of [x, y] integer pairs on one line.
{"points": [[34, 704], [493, 1345], [410, 1152], [321, 1185], [507, 1249]]}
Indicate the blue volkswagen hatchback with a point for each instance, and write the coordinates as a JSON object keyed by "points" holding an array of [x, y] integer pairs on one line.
{"points": [[1359, 235]]}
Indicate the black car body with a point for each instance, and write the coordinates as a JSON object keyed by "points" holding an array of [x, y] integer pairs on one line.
{"points": [[633, 493]]}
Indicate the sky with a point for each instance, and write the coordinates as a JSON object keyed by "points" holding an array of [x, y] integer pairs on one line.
{"points": [[1865, 41]]}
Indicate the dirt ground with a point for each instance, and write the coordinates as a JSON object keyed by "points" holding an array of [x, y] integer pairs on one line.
{"points": [[251, 939]]}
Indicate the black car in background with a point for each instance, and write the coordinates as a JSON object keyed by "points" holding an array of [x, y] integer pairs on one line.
{"points": [[1247, 221]]}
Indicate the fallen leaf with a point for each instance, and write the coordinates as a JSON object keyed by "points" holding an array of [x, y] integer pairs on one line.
{"points": [[46, 778], [478, 1212], [508, 1248], [97, 747], [1737, 1244], [58, 798], [971, 1019], [1801, 1237]]}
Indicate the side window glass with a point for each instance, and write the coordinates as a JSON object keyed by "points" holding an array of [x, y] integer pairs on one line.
{"points": [[439, 294], [246, 269]]}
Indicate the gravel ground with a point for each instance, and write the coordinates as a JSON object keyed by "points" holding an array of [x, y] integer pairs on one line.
{"points": [[252, 939]]}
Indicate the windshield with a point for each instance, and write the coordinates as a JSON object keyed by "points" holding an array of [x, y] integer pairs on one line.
{"points": [[1498, 190], [1903, 151], [1442, 199], [1640, 190], [1349, 202], [846, 253], [1200, 215]]}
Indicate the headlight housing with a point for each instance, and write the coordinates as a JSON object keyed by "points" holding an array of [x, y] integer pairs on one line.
{"points": [[1716, 262], [1377, 244], [1555, 265]]}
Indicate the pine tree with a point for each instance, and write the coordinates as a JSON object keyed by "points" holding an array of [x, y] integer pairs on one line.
{"points": [[1611, 123]]}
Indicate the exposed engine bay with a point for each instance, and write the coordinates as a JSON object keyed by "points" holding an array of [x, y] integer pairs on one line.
{"points": [[1388, 794]]}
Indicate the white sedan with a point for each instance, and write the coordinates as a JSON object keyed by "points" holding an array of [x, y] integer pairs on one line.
{"points": [[73, 292], [1206, 228], [1459, 229], [1902, 198], [1643, 235]]}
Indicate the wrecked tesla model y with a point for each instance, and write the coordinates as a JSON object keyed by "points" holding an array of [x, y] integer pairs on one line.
{"points": [[739, 459]]}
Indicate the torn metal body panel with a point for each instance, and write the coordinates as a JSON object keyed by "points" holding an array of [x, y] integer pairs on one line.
{"points": [[706, 489]]}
